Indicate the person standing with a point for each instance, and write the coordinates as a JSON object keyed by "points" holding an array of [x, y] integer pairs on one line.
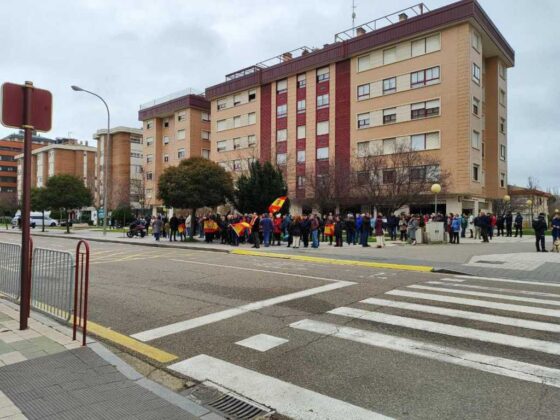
{"points": [[305, 227], [464, 224], [509, 223], [365, 230], [519, 225], [412, 228], [500, 224], [173, 228], [471, 225], [540, 228], [493, 222], [277, 229], [314, 232], [392, 224], [267, 228], [329, 229], [157, 227], [350, 229], [403, 225], [338, 229], [379, 234], [455, 229], [485, 226], [295, 231], [555, 227], [255, 228], [148, 220]]}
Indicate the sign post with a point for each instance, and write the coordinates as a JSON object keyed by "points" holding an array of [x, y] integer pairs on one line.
{"points": [[24, 106]]}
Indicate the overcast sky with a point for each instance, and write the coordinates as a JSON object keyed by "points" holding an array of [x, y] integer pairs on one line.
{"points": [[133, 51]]}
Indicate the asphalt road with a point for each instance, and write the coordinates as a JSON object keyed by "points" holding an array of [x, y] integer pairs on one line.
{"points": [[458, 348]]}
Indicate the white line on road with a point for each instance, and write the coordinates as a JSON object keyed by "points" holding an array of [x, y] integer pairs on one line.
{"points": [[496, 279], [230, 313], [288, 399], [451, 330], [475, 316], [479, 303], [496, 289], [490, 295], [492, 364]]}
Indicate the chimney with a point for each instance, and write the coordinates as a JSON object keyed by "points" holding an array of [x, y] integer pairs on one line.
{"points": [[360, 31], [287, 56], [305, 52], [403, 16]]}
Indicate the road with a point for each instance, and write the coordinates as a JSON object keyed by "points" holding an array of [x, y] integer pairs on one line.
{"points": [[327, 341]]}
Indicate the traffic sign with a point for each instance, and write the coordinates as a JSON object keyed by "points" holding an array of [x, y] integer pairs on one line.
{"points": [[13, 110]]}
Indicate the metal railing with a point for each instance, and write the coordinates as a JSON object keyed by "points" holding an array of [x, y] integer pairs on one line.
{"points": [[81, 290], [10, 266]]}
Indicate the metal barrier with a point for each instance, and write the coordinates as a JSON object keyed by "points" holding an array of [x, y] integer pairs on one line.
{"points": [[10, 266], [81, 289]]}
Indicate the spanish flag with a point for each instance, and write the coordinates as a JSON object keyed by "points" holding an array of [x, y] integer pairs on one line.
{"points": [[240, 227], [277, 204], [210, 226]]}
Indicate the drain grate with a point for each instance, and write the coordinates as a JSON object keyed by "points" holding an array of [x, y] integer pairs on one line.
{"points": [[237, 408]]}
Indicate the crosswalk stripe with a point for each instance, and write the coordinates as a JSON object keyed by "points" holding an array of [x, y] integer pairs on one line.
{"points": [[496, 289], [451, 330], [288, 399], [479, 303], [454, 280], [501, 280], [475, 316], [492, 364], [484, 294]]}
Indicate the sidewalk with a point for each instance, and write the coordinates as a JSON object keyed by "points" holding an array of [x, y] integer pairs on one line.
{"points": [[46, 375]]}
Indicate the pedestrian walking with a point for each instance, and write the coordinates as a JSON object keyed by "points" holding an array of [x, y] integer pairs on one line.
{"points": [[540, 227]]}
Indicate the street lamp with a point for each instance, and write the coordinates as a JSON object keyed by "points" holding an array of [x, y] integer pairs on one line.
{"points": [[530, 204], [506, 199], [436, 189], [106, 149]]}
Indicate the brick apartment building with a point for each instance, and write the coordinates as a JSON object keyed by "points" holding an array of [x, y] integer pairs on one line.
{"points": [[433, 81], [65, 156], [126, 175], [175, 127]]}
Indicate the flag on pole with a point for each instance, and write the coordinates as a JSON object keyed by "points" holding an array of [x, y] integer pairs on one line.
{"points": [[210, 226], [240, 227], [277, 204]]}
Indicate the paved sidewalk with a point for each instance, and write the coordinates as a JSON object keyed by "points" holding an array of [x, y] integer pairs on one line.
{"points": [[46, 375]]}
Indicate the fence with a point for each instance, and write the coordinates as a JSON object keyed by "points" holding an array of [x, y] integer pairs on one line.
{"points": [[10, 265]]}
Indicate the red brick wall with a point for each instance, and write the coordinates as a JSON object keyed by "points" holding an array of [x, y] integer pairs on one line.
{"points": [[342, 121], [266, 115]]}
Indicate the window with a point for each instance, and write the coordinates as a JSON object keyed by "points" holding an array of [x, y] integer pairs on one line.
{"points": [[428, 141], [389, 115], [149, 124], [323, 101], [149, 176], [221, 145], [502, 180], [300, 181], [424, 109], [418, 47], [165, 140], [180, 134], [389, 85], [363, 92], [166, 122], [301, 80], [206, 153], [300, 156], [181, 153], [475, 172], [166, 158], [251, 140], [252, 95], [282, 135], [363, 63], [502, 97], [301, 106], [205, 116], [136, 140], [363, 149], [502, 71], [322, 153], [417, 174], [252, 118], [282, 86], [389, 146], [390, 55], [476, 41], [322, 128], [322, 74], [237, 121], [475, 106], [502, 152], [424, 77], [221, 125], [281, 158], [281, 110], [205, 135], [363, 120], [237, 143], [502, 126], [237, 165], [221, 104], [181, 116], [389, 176], [475, 140], [149, 141], [476, 73], [237, 100], [149, 158], [301, 132]]}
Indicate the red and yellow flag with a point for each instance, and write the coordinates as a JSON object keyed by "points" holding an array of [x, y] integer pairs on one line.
{"points": [[277, 204], [240, 227], [210, 226]]}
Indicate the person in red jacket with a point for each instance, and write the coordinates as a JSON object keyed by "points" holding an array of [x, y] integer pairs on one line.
{"points": [[493, 222], [277, 229]]}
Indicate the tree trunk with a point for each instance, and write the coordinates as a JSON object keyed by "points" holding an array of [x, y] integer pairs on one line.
{"points": [[193, 215], [67, 222], [42, 230]]}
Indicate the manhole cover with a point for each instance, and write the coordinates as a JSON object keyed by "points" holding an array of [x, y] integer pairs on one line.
{"points": [[490, 262]]}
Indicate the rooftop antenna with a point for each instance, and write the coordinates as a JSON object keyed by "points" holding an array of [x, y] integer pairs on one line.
{"points": [[353, 16]]}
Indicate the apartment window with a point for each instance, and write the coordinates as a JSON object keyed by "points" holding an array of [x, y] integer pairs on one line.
{"points": [[252, 118], [417, 174], [475, 172], [323, 101], [322, 74], [237, 121], [389, 176], [237, 143], [502, 71], [418, 47], [181, 153], [166, 122], [322, 153], [502, 97], [475, 140], [363, 92], [424, 109], [301, 80], [389, 85], [180, 134], [428, 141], [363, 149], [363, 120], [221, 104], [149, 141], [300, 181], [205, 116], [322, 128], [300, 156], [281, 135], [149, 124], [502, 126], [476, 73], [389, 115], [181, 116], [149, 158], [476, 41], [281, 158], [165, 140], [221, 125], [282, 86], [149, 176], [390, 55], [424, 77], [205, 135], [301, 132], [502, 180], [502, 152], [251, 140], [252, 95], [389, 146], [166, 158], [221, 145], [206, 153], [237, 99], [281, 110], [237, 165], [136, 140], [301, 106], [475, 106]]}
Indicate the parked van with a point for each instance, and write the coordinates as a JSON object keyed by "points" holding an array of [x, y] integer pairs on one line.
{"points": [[36, 219]]}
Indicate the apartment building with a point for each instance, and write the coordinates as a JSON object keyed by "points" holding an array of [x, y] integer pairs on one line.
{"points": [[126, 173], [434, 82], [175, 127], [66, 156]]}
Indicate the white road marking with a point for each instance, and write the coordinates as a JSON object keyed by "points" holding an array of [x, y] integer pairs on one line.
{"points": [[490, 295], [451, 330], [288, 399], [497, 289], [501, 280], [479, 303], [230, 313], [492, 364], [475, 316], [262, 342], [455, 280]]}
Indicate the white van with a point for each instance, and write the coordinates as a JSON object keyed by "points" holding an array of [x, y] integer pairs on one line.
{"points": [[36, 219]]}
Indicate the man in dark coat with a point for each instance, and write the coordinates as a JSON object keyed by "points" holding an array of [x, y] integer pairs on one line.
{"points": [[173, 228], [540, 228]]}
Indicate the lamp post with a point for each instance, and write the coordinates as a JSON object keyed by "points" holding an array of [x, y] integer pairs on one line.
{"points": [[530, 204], [436, 189], [506, 199], [106, 150]]}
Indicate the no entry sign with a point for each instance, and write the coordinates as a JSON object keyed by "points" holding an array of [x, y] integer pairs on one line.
{"points": [[13, 110]]}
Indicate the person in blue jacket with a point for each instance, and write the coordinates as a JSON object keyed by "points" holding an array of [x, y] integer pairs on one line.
{"points": [[455, 229]]}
